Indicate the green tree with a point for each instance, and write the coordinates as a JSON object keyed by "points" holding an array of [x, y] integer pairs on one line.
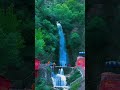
{"points": [[71, 15], [10, 38], [75, 40], [47, 43], [39, 43]]}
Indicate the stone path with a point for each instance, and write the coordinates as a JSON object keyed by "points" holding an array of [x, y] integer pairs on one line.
{"points": [[82, 86]]}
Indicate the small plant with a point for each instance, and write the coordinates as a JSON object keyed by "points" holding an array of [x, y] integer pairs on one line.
{"points": [[75, 86]]}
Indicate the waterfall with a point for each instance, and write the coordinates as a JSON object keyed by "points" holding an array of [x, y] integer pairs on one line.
{"points": [[59, 80], [61, 71], [63, 54]]}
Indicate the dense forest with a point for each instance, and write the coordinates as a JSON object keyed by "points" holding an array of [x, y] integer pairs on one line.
{"points": [[102, 39], [17, 41], [17, 34], [71, 14]]}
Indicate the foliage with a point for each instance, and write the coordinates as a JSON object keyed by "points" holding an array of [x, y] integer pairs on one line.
{"points": [[75, 86], [39, 43], [42, 85], [16, 37], [46, 44], [102, 31], [61, 12], [96, 23], [10, 38], [78, 11], [49, 69], [74, 76], [71, 15], [8, 20], [75, 40]]}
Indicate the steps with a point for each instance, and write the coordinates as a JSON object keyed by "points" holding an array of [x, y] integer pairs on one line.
{"points": [[80, 80]]}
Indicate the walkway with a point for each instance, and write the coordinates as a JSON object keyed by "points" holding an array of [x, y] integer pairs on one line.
{"points": [[80, 79]]}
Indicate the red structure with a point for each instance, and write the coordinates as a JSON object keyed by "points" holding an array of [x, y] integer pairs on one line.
{"points": [[80, 62], [110, 81], [4, 83], [37, 67], [37, 64]]}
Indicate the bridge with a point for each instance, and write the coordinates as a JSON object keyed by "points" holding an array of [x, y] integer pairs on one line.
{"points": [[45, 65], [64, 67]]}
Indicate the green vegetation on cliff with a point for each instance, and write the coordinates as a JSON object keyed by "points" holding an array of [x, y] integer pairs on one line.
{"points": [[71, 14]]}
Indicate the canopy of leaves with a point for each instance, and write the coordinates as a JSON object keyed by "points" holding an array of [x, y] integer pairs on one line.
{"points": [[10, 38], [39, 43], [71, 14], [8, 20]]}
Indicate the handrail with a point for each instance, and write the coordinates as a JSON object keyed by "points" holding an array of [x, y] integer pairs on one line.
{"points": [[80, 79]]}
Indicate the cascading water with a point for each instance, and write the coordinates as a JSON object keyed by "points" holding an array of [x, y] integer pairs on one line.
{"points": [[59, 80], [63, 60]]}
